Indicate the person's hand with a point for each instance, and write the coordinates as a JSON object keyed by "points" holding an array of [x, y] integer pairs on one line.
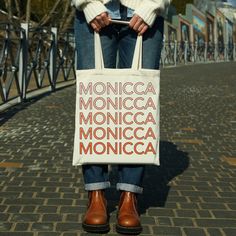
{"points": [[100, 21], [138, 24]]}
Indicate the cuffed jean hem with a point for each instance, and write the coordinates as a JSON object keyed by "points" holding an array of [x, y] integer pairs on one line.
{"points": [[97, 186], [129, 187]]}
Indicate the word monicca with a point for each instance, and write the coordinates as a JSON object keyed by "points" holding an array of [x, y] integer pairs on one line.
{"points": [[95, 96], [116, 88], [117, 118]]}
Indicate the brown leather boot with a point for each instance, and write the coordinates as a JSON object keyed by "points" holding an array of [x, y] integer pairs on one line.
{"points": [[96, 218], [128, 221]]}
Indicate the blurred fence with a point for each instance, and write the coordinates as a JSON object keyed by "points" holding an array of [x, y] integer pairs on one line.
{"points": [[175, 53], [37, 60], [33, 61]]}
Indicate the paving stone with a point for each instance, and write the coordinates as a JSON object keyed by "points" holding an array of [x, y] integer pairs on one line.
{"points": [[68, 226], [164, 221], [219, 200], [71, 196], [27, 195], [16, 233], [4, 217], [3, 208], [59, 201], [214, 232], [14, 209], [50, 189], [232, 206], [47, 209], [70, 234], [73, 209], [212, 206], [4, 226], [161, 230], [161, 212], [49, 234], [48, 195], [230, 231], [72, 218], [10, 195], [186, 213], [25, 217], [24, 201], [224, 214], [52, 217], [194, 232], [28, 209], [204, 214], [183, 221], [216, 222], [42, 227], [22, 227]]}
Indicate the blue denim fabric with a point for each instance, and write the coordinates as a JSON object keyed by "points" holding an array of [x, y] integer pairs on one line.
{"points": [[114, 10], [121, 39]]}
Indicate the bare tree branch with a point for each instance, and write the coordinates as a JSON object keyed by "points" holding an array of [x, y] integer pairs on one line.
{"points": [[48, 16], [65, 13], [18, 10], [58, 13], [67, 22]]}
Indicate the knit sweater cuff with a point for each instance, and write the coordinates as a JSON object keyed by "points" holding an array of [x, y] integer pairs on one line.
{"points": [[93, 9], [147, 12]]}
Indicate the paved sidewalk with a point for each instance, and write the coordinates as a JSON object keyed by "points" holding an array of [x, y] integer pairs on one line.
{"points": [[192, 193]]}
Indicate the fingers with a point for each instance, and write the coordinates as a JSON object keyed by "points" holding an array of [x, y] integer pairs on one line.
{"points": [[143, 30], [100, 21], [105, 19], [133, 21], [95, 26], [138, 24]]}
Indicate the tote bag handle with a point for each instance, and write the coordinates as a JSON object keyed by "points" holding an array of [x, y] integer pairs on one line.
{"points": [[137, 58], [99, 63]]}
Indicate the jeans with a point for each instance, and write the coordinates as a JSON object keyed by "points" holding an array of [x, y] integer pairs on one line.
{"points": [[118, 43]]}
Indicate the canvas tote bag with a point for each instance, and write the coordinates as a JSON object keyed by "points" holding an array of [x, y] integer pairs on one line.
{"points": [[117, 113]]}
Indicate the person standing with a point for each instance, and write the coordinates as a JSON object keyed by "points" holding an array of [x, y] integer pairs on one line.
{"points": [[145, 18]]}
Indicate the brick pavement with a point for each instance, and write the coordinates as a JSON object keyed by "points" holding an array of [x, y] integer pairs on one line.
{"points": [[193, 192]]}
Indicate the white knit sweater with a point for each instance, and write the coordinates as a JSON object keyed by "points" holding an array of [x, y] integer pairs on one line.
{"points": [[146, 9]]}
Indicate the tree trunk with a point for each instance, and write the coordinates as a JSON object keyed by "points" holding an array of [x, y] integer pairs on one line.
{"points": [[9, 7], [28, 11]]}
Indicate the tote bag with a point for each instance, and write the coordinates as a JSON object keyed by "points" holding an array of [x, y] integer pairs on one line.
{"points": [[117, 113]]}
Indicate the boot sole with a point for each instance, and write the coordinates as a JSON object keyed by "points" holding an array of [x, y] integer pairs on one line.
{"points": [[96, 228], [128, 230]]}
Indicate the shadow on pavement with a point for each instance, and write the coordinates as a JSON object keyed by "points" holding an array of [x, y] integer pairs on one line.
{"points": [[156, 178], [5, 115], [173, 163], [11, 111]]}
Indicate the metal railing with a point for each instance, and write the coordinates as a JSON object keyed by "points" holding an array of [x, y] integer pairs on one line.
{"points": [[174, 53], [33, 61], [37, 60]]}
